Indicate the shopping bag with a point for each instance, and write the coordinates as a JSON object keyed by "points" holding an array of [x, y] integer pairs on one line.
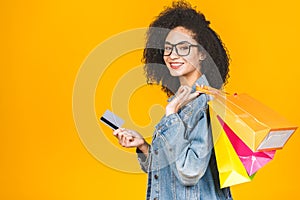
{"points": [[258, 126], [230, 167], [252, 161]]}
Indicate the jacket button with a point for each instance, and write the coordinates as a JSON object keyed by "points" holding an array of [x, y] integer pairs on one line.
{"points": [[155, 198], [156, 176], [156, 152]]}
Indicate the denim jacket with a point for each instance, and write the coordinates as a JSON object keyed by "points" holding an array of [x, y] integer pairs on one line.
{"points": [[181, 163]]}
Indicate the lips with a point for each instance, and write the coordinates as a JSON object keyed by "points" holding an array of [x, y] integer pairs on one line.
{"points": [[176, 65]]}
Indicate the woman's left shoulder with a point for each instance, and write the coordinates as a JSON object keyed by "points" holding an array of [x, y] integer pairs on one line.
{"points": [[201, 102], [202, 99]]}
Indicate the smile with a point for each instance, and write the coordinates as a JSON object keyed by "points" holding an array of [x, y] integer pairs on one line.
{"points": [[176, 65]]}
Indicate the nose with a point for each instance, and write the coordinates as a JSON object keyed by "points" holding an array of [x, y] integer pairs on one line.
{"points": [[174, 53]]}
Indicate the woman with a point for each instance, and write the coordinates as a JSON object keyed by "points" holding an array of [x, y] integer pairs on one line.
{"points": [[182, 51]]}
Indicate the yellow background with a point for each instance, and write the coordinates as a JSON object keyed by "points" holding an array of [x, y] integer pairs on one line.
{"points": [[43, 44]]}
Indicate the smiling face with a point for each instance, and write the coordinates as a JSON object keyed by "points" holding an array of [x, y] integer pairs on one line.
{"points": [[186, 67]]}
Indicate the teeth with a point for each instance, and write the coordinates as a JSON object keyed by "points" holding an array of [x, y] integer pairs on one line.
{"points": [[176, 64]]}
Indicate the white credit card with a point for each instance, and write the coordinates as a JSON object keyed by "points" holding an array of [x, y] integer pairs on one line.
{"points": [[111, 120]]}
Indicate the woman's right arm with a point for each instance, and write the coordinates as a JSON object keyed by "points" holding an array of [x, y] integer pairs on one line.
{"points": [[130, 138]]}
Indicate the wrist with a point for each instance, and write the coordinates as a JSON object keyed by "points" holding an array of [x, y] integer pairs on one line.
{"points": [[144, 147], [170, 110]]}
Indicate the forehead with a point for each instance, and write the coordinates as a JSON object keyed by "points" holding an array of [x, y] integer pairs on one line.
{"points": [[180, 34]]}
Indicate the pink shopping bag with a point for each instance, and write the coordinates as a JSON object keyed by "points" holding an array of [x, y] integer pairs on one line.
{"points": [[252, 160]]}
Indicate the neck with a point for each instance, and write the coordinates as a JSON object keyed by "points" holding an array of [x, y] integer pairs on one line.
{"points": [[190, 79]]}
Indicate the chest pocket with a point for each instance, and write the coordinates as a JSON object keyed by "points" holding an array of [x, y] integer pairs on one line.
{"points": [[186, 112]]}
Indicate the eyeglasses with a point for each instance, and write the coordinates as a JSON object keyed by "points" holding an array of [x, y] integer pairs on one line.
{"points": [[182, 48]]}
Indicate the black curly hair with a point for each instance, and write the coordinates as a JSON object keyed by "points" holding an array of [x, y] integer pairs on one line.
{"points": [[215, 65]]}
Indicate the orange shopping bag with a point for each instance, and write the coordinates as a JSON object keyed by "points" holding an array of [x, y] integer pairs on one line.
{"points": [[259, 127]]}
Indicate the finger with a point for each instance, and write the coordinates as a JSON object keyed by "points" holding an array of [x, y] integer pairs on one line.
{"points": [[187, 90], [134, 134], [186, 94], [120, 136], [122, 140], [118, 131], [193, 96], [190, 97], [181, 89], [128, 136], [183, 92], [126, 140], [182, 96]]}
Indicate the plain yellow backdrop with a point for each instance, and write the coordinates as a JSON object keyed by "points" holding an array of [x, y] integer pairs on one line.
{"points": [[44, 43]]}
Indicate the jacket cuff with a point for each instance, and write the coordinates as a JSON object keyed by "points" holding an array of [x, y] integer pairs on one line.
{"points": [[141, 155], [143, 159]]}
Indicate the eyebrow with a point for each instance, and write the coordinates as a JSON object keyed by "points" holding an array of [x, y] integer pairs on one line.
{"points": [[178, 42]]}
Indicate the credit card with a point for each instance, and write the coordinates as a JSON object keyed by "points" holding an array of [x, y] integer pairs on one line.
{"points": [[111, 120]]}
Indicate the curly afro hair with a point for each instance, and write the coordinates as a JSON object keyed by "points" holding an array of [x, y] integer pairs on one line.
{"points": [[215, 66]]}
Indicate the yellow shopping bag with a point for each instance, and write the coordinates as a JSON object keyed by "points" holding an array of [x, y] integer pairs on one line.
{"points": [[259, 127], [231, 169]]}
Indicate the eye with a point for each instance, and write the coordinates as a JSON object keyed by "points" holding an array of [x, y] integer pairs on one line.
{"points": [[184, 47], [168, 48]]}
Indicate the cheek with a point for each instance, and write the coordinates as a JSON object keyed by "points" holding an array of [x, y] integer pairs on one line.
{"points": [[165, 59], [194, 61]]}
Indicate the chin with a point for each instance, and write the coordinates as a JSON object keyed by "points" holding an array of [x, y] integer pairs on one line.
{"points": [[175, 74]]}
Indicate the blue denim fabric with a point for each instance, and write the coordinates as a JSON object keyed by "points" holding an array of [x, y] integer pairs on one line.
{"points": [[181, 162]]}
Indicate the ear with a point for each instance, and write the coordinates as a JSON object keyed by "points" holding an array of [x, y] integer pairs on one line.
{"points": [[202, 56]]}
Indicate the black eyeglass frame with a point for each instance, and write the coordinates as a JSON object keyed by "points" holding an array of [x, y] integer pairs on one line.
{"points": [[175, 45]]}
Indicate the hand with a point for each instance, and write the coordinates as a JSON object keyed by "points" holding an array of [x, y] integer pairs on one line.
{"points": [[130, 138], [182, 97]]}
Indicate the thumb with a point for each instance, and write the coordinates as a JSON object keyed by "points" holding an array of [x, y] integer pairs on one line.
{"points": [[193, 95]]}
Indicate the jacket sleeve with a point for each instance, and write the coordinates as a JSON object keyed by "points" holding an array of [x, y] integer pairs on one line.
{"points": [[188, 146], [143, 159]]}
